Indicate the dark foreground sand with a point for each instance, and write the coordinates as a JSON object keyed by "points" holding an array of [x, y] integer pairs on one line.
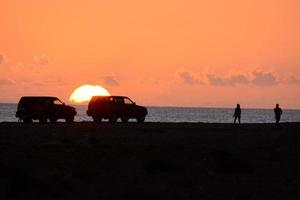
{"points": [[149, 161]]}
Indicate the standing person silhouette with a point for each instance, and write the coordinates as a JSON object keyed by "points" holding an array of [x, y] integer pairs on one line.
{"points": [[278, 113], [237, 113]]}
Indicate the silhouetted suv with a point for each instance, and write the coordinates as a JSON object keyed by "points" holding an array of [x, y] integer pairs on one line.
{"points": [[115, 107], [44, 109]]}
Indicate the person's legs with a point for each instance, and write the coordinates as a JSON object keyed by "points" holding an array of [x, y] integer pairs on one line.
{"points": [[277, 119], [234, 119], [239, 118]]}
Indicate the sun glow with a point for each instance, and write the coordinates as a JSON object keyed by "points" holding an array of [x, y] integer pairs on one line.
{"points": [[84, 93]]}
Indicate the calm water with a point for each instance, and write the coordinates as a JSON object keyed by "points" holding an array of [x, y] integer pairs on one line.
{"points": [[177, 114]]}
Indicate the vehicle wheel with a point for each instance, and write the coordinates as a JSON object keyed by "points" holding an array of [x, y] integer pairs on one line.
{"points": [[43, 120], [124, 119], [113, 119], [140, 119], [53, 120], [97, 118], [27, 120], [70, 119]]}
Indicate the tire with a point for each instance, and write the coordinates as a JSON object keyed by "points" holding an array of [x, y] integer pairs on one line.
{"points": [[27, 120], [53, 120], [113, 119], [140, 119], [70, 119], [43, 120], [97, 119], [124, 119]]}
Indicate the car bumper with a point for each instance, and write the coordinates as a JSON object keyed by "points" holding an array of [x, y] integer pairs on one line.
{"points": [[88, 113]]}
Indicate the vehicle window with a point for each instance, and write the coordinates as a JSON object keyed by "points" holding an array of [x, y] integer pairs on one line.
{"points": [[111, 99], [119, 100], [57, 102], [128, 101], [46, 102]]}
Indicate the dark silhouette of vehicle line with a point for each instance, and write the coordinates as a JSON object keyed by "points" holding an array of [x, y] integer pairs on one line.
{"points": [[48, 108], [44, 108], [115, 107]]}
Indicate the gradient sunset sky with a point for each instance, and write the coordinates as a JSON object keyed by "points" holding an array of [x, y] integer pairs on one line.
{"points": [[161, 52]]}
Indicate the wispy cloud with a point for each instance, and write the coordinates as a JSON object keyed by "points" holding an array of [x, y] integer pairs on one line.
{"points": [[189, 77], [1, 59], [110, 80], [293, 80], [41, 60], [6, 82], [227, 81], [4, 61], [258, 78], [264, 79]]}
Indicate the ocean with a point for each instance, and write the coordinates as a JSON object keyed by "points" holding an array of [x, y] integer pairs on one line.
{"points": [[180, 114]]}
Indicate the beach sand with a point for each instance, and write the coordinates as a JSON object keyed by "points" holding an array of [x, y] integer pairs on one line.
{"points": [[149, 161]]}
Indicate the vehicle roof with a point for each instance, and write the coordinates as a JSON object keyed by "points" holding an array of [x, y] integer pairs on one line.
{"points": [[110, 96], [38, 97]]}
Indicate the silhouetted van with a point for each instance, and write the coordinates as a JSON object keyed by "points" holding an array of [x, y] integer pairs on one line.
{"points": [[115, 107], [44, 108]]}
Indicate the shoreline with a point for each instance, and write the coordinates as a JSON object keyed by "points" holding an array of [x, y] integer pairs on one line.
{"points": [[170, 125], [189, 107], [141, 123]]}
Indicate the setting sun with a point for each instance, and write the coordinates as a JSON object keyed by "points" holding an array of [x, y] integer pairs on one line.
{"points": [[84, 93]]}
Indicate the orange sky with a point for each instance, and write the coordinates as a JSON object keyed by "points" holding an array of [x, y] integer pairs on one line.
{"points": [[160, 52]]}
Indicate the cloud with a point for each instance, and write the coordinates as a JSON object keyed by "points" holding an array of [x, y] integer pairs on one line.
{"points": [[6, 82], [111, 81], [1, 59], [293, 80], [260, 78], [228, 81], [4, 61], [264, 79], [41, 60], [39, 84], [188, 77]]}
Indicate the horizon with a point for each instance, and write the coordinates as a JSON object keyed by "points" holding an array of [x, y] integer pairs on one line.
{"points": [[161, 53], [192, 107]]}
